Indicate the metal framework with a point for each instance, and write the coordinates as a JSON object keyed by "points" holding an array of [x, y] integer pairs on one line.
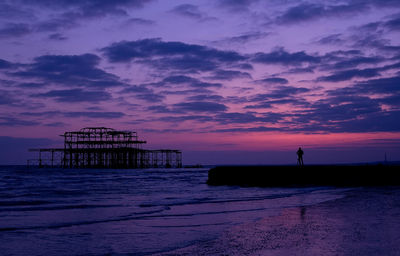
{"points": [[101, 147]]}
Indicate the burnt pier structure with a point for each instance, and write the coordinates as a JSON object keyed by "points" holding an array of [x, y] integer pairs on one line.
{"points": [[101, 147]]}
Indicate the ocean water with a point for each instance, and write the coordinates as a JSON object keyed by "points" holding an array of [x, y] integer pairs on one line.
{"points": [[128, 212]]}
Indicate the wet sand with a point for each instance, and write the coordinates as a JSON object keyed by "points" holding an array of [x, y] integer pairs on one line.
{"points": [[365, 222]]}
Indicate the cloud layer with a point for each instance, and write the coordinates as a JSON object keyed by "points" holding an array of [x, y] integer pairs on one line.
{"points": [[226, 67]]}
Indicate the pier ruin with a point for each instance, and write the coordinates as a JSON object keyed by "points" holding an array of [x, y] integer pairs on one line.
{"points": [[101, 147]]}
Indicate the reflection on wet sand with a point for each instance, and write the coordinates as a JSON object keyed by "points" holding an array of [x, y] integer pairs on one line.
{"points": [[363, 223]]}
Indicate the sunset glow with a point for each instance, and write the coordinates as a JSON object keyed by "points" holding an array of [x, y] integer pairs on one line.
{"points": [[205, 76]]}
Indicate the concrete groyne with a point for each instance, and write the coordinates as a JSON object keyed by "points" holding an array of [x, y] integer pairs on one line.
{"points": [[313, 175]]}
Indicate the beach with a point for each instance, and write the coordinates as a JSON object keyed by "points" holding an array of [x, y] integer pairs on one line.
{"points": [[131, 212], [364, 222], [174, 212], [199, 128]]}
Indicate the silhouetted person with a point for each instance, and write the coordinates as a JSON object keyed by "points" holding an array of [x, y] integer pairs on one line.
{"points": [[300, 157]]}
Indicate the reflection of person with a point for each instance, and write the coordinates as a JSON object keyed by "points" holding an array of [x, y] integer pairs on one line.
{"points": [[302, 212], [300, 157]]}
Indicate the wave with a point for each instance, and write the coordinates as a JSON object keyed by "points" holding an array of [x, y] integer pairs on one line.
{"points": [[59, 207], [123, 218], [220, 201], [192, 226], [23, 203]]}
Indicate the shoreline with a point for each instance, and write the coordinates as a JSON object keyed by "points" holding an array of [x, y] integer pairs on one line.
{"points": [[364, 222]]}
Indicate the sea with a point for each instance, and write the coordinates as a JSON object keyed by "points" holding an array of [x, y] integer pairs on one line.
{"points": [[129, 211]]}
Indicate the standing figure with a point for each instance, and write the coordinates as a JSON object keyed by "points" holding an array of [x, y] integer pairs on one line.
{"points": [[300, 157]]}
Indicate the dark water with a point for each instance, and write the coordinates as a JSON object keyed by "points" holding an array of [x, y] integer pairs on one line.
{"points": [[128, 212]]}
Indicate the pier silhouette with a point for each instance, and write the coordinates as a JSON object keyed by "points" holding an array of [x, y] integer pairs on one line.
{"points": [[101, 147]]}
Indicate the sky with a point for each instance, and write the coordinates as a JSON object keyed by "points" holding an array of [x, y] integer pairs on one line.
{"points": [[225, 81]]}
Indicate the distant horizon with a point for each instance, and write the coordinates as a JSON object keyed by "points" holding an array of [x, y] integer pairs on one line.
{"points": [[199, 165], [287, 157], [224, 81]]}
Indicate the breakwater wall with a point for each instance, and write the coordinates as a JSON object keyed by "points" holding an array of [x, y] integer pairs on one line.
{"points": [[313, 175]]}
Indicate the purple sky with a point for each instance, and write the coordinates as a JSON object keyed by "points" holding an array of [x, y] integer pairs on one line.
{"points": [[226, 81]]}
